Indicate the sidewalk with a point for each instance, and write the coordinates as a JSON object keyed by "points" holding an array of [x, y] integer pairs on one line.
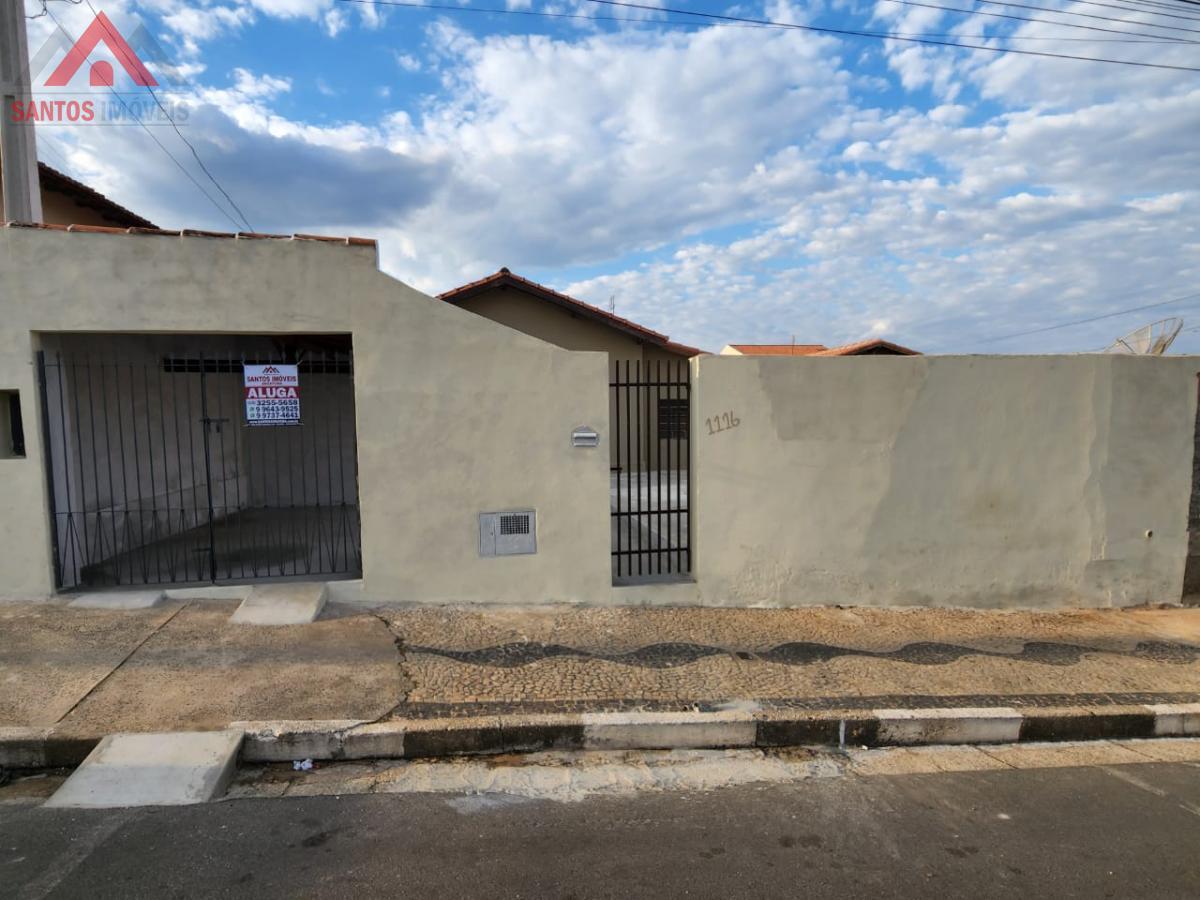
{"points": [[75, 675]]}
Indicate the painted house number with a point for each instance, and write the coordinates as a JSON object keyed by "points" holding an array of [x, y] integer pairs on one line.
{"points": [[722, 422]]}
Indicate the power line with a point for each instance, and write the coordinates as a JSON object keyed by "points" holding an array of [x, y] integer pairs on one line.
{"points": [[1111, 315], [1063, 12], [1158, 4], [1152, 5], [756, 23], [45, 144], [995, 15], [1144, 10], [196, 155], [46, 12], [848, 32], [163, 148], [450, 7]]}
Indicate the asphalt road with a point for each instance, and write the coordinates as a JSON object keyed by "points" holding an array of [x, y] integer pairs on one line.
{"points": [[1128, 831]]}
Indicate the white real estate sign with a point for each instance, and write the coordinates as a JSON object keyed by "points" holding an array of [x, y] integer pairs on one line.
{"points": [[272, 394]]}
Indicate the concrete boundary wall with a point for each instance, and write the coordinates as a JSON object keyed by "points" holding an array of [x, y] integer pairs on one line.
{"points": [[966, 481], [456, 414], [1018, 481]]}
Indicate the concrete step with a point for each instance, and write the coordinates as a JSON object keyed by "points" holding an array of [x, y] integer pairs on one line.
{"points": [[118, 600], [152, 770], [290, 603]]}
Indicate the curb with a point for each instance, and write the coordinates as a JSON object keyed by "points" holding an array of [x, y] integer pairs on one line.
{"points": [[41, 748], [349, 739]]}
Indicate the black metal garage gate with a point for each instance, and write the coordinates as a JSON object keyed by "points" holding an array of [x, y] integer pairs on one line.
{"points": [[156, 477]]}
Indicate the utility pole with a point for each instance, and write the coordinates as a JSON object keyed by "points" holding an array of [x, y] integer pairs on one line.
{"points": [[18, 144]]}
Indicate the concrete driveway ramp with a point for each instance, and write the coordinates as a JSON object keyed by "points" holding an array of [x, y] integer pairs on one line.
{"points": [[293, 603], [152, 770], [118, 600]]}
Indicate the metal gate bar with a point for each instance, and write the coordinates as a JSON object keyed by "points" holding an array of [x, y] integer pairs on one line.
{"points": [[650, 472], [155, 479]]}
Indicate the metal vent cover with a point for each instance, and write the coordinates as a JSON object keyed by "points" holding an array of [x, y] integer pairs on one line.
{"points": [[510, 532]]}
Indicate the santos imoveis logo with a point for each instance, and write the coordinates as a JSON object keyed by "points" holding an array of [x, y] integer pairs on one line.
{"points": [[107, 95]]}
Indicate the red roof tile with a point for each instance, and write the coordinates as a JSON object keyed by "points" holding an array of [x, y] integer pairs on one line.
{"points": [[778, 349], [873, 346], [860, 348], [505, 278], [682, 349]]}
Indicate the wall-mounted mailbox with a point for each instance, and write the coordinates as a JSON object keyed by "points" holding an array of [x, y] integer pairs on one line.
{"points": [[585, 437], [510, 532]]}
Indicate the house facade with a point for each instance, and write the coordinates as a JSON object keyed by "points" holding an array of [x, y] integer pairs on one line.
{"points": [[637, 355], [430, 453], [564, 321]]}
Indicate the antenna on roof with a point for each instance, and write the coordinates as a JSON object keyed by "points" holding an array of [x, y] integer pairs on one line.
{"points": [[1149, 340], [612, 304]]}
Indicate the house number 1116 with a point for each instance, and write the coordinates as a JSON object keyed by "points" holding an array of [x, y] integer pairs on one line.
{"points": [[722, 422]]}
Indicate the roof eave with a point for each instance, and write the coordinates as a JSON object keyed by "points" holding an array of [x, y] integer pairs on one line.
{"points": [[570, 304]]}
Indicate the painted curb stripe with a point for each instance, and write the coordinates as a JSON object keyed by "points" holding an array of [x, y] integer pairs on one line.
{"points": [[1176, 719], [284, 741]]}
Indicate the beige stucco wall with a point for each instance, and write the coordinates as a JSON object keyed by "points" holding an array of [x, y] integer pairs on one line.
{"points": [[455, 414], [976, 481], [539, 318], [972, 481]]}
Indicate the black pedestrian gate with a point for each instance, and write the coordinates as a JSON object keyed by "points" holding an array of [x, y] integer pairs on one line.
{"points": [[650, 403], [155, 476]]}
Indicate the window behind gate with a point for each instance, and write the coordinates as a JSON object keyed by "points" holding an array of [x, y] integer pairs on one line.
{"points": [[672, 418]]}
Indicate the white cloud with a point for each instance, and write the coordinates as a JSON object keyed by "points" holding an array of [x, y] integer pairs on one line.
{"points": [[747, 172], [408, 62], [195, 25], [1163, 204]]}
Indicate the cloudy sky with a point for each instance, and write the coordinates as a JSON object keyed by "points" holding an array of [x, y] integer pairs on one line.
{"points": [[716, 182]]}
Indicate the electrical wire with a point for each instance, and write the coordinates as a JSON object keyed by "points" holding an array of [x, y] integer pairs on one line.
{"points": [[1148, 11], [1138, 38], [1088, 321], [191, 147], [46, 12], [848, 32], [1016, 18], [1156, 4], [163, 148], [1062, 12]]}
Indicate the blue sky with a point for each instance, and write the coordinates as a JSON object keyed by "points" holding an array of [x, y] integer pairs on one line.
{"points": [[720, 184]]}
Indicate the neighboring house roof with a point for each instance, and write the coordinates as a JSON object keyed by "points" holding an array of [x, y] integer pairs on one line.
{"points": [[505, 278], [872, 347], [875, 346], [778, 349], [82, 195]]}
